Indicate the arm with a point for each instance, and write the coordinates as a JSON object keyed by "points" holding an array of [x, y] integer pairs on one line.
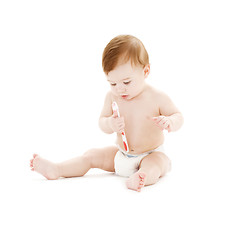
{"points": [[171, 118], [176, 121], [106, 114], [109, 122]]}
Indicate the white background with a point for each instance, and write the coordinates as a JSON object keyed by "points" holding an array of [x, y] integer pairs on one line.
{"points": [[51, 93]]}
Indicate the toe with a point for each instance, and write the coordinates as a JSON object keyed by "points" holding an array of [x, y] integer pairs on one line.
{"points": [[31, 163], [142, 175]]}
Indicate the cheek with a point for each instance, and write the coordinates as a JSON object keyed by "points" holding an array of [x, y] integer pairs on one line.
{"points": [[137, 88], [113, 90]]}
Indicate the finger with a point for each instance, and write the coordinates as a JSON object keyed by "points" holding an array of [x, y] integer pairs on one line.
{"points": [[121, 128], [157, 119], [166, 124], [163, 124], [168, 129], [121, 123], [162, 120], [158, 122], [115, 114], [120, 120], [31, 163]]}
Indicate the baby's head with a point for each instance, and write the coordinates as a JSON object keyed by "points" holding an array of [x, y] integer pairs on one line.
{"points": [[125, 62], [121, 49]]}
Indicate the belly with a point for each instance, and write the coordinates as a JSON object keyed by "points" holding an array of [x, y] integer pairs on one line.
{"points": [[141, 137]]}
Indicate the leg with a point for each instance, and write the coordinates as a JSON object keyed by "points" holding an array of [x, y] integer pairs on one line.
{"points": [[76, 167], [152, 167]]}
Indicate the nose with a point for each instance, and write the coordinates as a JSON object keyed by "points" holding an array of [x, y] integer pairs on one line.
{"points": [[121, 88]]}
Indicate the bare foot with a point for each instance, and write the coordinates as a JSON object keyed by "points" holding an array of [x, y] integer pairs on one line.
{"points": [[136, 181], [48, 169]]}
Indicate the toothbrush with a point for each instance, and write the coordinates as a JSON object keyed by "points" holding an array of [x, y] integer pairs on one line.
{"points": [[115, 109]]}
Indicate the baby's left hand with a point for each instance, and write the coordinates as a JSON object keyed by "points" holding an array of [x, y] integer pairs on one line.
{"points": [[163, 122]]}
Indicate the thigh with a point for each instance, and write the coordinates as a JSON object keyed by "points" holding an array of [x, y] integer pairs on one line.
{"points": [[102, 158], [157, 159]]}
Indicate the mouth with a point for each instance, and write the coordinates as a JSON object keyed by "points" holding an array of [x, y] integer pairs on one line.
{"points": [[124, 96]]}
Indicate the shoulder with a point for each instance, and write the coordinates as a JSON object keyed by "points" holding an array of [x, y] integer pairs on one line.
{"points": [[157, 94], [108, 97], [160, 97], [107, 107]]}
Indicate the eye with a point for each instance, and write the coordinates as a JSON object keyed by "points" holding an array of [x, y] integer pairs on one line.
{"points": [[127, 82], [113, 84]]}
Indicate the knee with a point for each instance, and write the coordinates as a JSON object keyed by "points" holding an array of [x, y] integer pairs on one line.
{"points": [[164, 164], [152, 175], [155, 172], [89, 156]]}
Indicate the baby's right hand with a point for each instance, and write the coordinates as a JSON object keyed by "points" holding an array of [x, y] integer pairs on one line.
{"points": [[116, 123]]}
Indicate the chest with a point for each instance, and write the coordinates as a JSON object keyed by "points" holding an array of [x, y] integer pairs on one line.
{"points": [[138, 111]]}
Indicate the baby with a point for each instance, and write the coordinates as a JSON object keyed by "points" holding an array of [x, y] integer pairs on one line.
{"points": [[144, 113]]}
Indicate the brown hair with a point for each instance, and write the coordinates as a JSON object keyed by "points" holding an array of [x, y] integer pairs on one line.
{"points": [[124, 48]]}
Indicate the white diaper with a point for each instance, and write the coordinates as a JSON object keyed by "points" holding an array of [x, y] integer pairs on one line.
{"points": [[126, 164]]}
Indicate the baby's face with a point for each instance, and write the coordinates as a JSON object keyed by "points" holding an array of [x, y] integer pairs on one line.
{"points": [[127, 81]]}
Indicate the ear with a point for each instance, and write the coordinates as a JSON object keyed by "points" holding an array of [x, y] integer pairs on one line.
{"points": [[146, 70]]}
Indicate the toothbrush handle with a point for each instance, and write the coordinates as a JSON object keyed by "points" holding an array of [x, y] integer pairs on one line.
{"points": [[125, 141], [115, 109]]}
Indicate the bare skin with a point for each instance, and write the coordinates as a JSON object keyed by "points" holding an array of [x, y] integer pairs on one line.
{"points": [[145, 113], [75, 167], [48, 169], [136, 181]]}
